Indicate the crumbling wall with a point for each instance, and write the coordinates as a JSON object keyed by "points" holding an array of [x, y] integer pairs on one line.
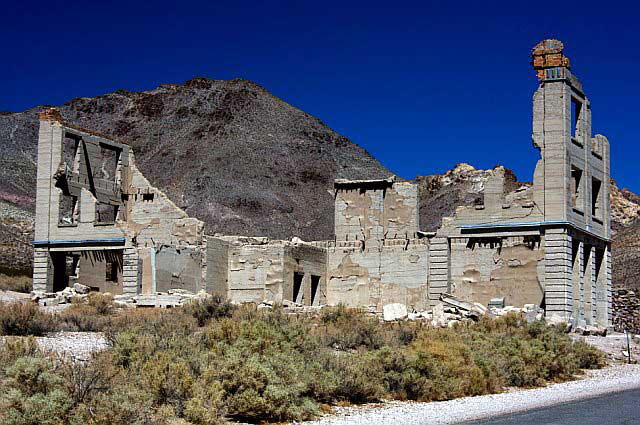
{"points": [[358, 214], [493, 267], [217, 282], [92, 270], [377, 257], [305, 269], [397, 272], [373, 210], [255, 269], [153, 219], [168, 241], [178, 268]]}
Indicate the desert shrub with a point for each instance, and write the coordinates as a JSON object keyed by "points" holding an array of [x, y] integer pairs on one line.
{"points": [[25, 319], [101, 303], [202, 365], [83, 318], [206, 406], [359, 378], [17, 283], [120, 403], [588, 357], [33, 393], [15, 347], [260, 386], [345, 328], [209, 308]]}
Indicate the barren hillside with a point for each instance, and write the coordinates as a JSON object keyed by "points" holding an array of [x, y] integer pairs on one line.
{"points": [[245, 162]]}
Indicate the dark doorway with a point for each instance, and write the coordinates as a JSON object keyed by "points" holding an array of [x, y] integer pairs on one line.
{"points": [[60, 275], [315, 284], [297, 285]]}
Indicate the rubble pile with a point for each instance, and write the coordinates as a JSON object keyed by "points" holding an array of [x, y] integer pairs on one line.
{"points": [[79, 292], [626, 310], [451, 310]]}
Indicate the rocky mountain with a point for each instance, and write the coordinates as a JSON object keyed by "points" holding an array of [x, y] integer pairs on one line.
{"points": [[244, 162], [228, 152]]}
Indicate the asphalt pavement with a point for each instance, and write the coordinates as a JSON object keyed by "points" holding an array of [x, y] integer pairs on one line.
{"points": [[622, 408]]}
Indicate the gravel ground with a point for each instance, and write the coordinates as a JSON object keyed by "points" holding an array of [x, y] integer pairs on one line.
{"points": [[12, 296], [596, 382], [614, 346], [77, 345]]}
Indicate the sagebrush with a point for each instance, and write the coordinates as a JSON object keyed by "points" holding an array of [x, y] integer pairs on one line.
{"points": [[211, 362]]}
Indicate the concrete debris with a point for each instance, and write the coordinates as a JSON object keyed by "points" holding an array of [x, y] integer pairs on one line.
{"points": [[497, 302], [394, 311], [438, 319], [169, 299], [587, 330], [81, 289], [66, 296]]}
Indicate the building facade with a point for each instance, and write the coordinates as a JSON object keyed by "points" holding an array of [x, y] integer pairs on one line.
{"points": [[99, 222]]}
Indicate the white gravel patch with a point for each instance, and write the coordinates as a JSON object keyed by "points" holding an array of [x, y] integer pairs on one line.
{"points": [[75, 345], [594, 383]]}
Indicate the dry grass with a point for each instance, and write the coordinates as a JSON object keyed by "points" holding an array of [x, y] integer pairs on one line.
{"points": [[15, 283]]}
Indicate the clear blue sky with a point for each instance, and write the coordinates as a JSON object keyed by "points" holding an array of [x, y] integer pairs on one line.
{"points": [[421, 85]]}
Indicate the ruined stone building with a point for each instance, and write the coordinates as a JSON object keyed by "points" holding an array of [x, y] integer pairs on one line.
{"points": [[100, 222]]}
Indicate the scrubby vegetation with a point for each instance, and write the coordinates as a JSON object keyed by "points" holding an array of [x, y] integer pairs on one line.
{"points": [[17, 283], [210, 363]]}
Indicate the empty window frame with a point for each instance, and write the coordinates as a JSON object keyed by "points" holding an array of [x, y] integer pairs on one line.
{"points": [[68, 210], [576, 194], [69, 152], [106, 213], [148, 197], [596, 198], [111, 271], [107, 163], [576, 117]]}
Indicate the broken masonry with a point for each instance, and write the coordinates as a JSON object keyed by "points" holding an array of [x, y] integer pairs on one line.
{"points": [[99, 222]]}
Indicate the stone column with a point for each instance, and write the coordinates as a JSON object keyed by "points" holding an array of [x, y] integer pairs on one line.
{"points": [[131, 282], [42, 270], [50, 138], [577, 258], [558, 272], [589, 285], [603, 287]]}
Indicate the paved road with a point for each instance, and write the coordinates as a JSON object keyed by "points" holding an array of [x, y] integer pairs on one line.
{"points": [[621, 408]]}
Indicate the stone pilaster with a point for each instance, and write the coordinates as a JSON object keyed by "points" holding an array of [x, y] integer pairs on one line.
{"points": [[42, 270], [558, 273], [131, 282]]}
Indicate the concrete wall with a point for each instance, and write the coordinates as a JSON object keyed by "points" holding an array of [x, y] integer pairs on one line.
{"points": [[178, 268], [217, 267], [261, 269], [396, 272], [92, 270], [373, 210], [510, 267], [81, 177]]}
